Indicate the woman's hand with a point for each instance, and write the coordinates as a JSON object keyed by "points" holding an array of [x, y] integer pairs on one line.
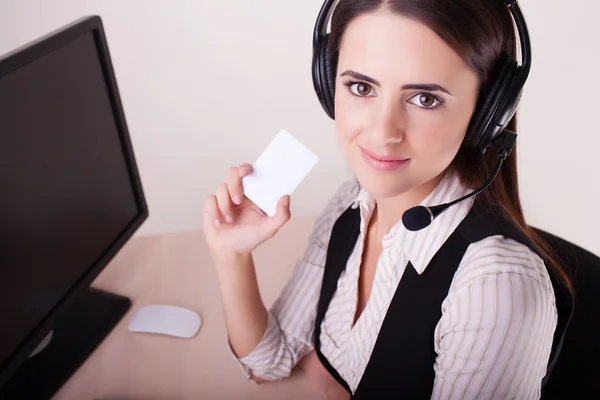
{"points": [[233, 224]]}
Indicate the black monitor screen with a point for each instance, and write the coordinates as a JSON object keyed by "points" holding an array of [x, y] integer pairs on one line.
{"points": [[65, 188]]}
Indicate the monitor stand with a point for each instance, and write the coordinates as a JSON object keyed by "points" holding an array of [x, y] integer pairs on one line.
{"points": [[75, 335]]}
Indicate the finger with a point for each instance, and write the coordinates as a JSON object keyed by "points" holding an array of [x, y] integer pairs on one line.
{"points": [[274, 223], [224, 202], [234, 185], [211, 214], [244, 169]]}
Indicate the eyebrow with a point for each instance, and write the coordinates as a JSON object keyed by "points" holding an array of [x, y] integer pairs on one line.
{"points": [[432, 87], [358, 75]]}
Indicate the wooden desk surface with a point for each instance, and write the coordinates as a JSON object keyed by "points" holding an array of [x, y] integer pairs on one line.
{"points": [[176, 269]]}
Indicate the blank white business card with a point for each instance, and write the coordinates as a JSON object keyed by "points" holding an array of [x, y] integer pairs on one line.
{"points": [[278, 171]]}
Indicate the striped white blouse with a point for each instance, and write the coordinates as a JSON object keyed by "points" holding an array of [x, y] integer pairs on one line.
{"points": [[494, 337]]}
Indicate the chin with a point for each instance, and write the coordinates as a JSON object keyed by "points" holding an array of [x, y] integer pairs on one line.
{"points": [[384, 185]]}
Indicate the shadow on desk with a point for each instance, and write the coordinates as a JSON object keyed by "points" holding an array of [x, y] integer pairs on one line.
{"points": [[176, 269]]}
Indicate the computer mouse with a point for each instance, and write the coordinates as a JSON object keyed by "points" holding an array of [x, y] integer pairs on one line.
{"points": [[167, 320]]}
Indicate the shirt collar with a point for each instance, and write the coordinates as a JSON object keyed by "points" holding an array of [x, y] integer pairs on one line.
{"points": [[421, 246]]}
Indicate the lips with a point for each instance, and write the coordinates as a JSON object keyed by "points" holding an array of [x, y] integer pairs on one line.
{"points": [[382, 158], [382, 163]]}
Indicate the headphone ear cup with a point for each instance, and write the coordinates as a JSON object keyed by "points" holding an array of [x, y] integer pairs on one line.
{"points": [[321, 78], [482, 130], [330, 68]]}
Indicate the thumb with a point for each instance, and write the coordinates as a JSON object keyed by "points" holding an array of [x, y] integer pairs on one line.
{"points": [[274, 223]]}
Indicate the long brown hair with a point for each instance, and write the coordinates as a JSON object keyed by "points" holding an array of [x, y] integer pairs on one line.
{"points": [[479, 31]]}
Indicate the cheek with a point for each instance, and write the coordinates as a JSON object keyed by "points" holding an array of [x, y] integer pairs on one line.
{"points": [[348, 120], [437, 138]]}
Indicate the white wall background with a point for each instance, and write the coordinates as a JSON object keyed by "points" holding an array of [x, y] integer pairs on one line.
{"points": [[207, 84]]}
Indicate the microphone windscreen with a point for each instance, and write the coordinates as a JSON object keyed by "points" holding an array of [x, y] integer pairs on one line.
{"points": [[416, 218]]}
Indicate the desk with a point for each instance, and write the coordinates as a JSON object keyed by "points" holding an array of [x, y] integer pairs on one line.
{"points": [[176, 269]]}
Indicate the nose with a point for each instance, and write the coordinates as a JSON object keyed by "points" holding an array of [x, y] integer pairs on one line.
{"points": [[389, 123]]}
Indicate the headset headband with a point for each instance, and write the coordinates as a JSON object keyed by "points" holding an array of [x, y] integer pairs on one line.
{"points": [[327, 8]]}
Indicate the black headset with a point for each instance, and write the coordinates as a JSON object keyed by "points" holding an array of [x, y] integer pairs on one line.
{"points": [[497, 102]]}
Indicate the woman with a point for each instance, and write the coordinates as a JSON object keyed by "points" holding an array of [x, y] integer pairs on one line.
{"points": [[408, 75]]}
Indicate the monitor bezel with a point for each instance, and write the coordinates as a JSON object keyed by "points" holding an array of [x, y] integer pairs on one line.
{"points": [[21, 57]]}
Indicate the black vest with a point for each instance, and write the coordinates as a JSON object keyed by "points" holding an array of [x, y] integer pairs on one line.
{"points": [[402, 359]]}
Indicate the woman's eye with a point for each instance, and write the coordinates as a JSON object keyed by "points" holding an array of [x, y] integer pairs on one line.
{"points": [[425, 100], [361, 89]]}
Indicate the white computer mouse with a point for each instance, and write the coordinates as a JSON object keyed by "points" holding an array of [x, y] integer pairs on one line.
{"points": [[166, 320]]}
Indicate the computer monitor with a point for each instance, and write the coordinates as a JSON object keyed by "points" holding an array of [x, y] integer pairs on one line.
{"points": [[70, 198]]}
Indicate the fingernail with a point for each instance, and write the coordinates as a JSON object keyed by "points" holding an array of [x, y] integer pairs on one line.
{"points": [[217, 223], [237, 199], [286, 201], [228, 218]]}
